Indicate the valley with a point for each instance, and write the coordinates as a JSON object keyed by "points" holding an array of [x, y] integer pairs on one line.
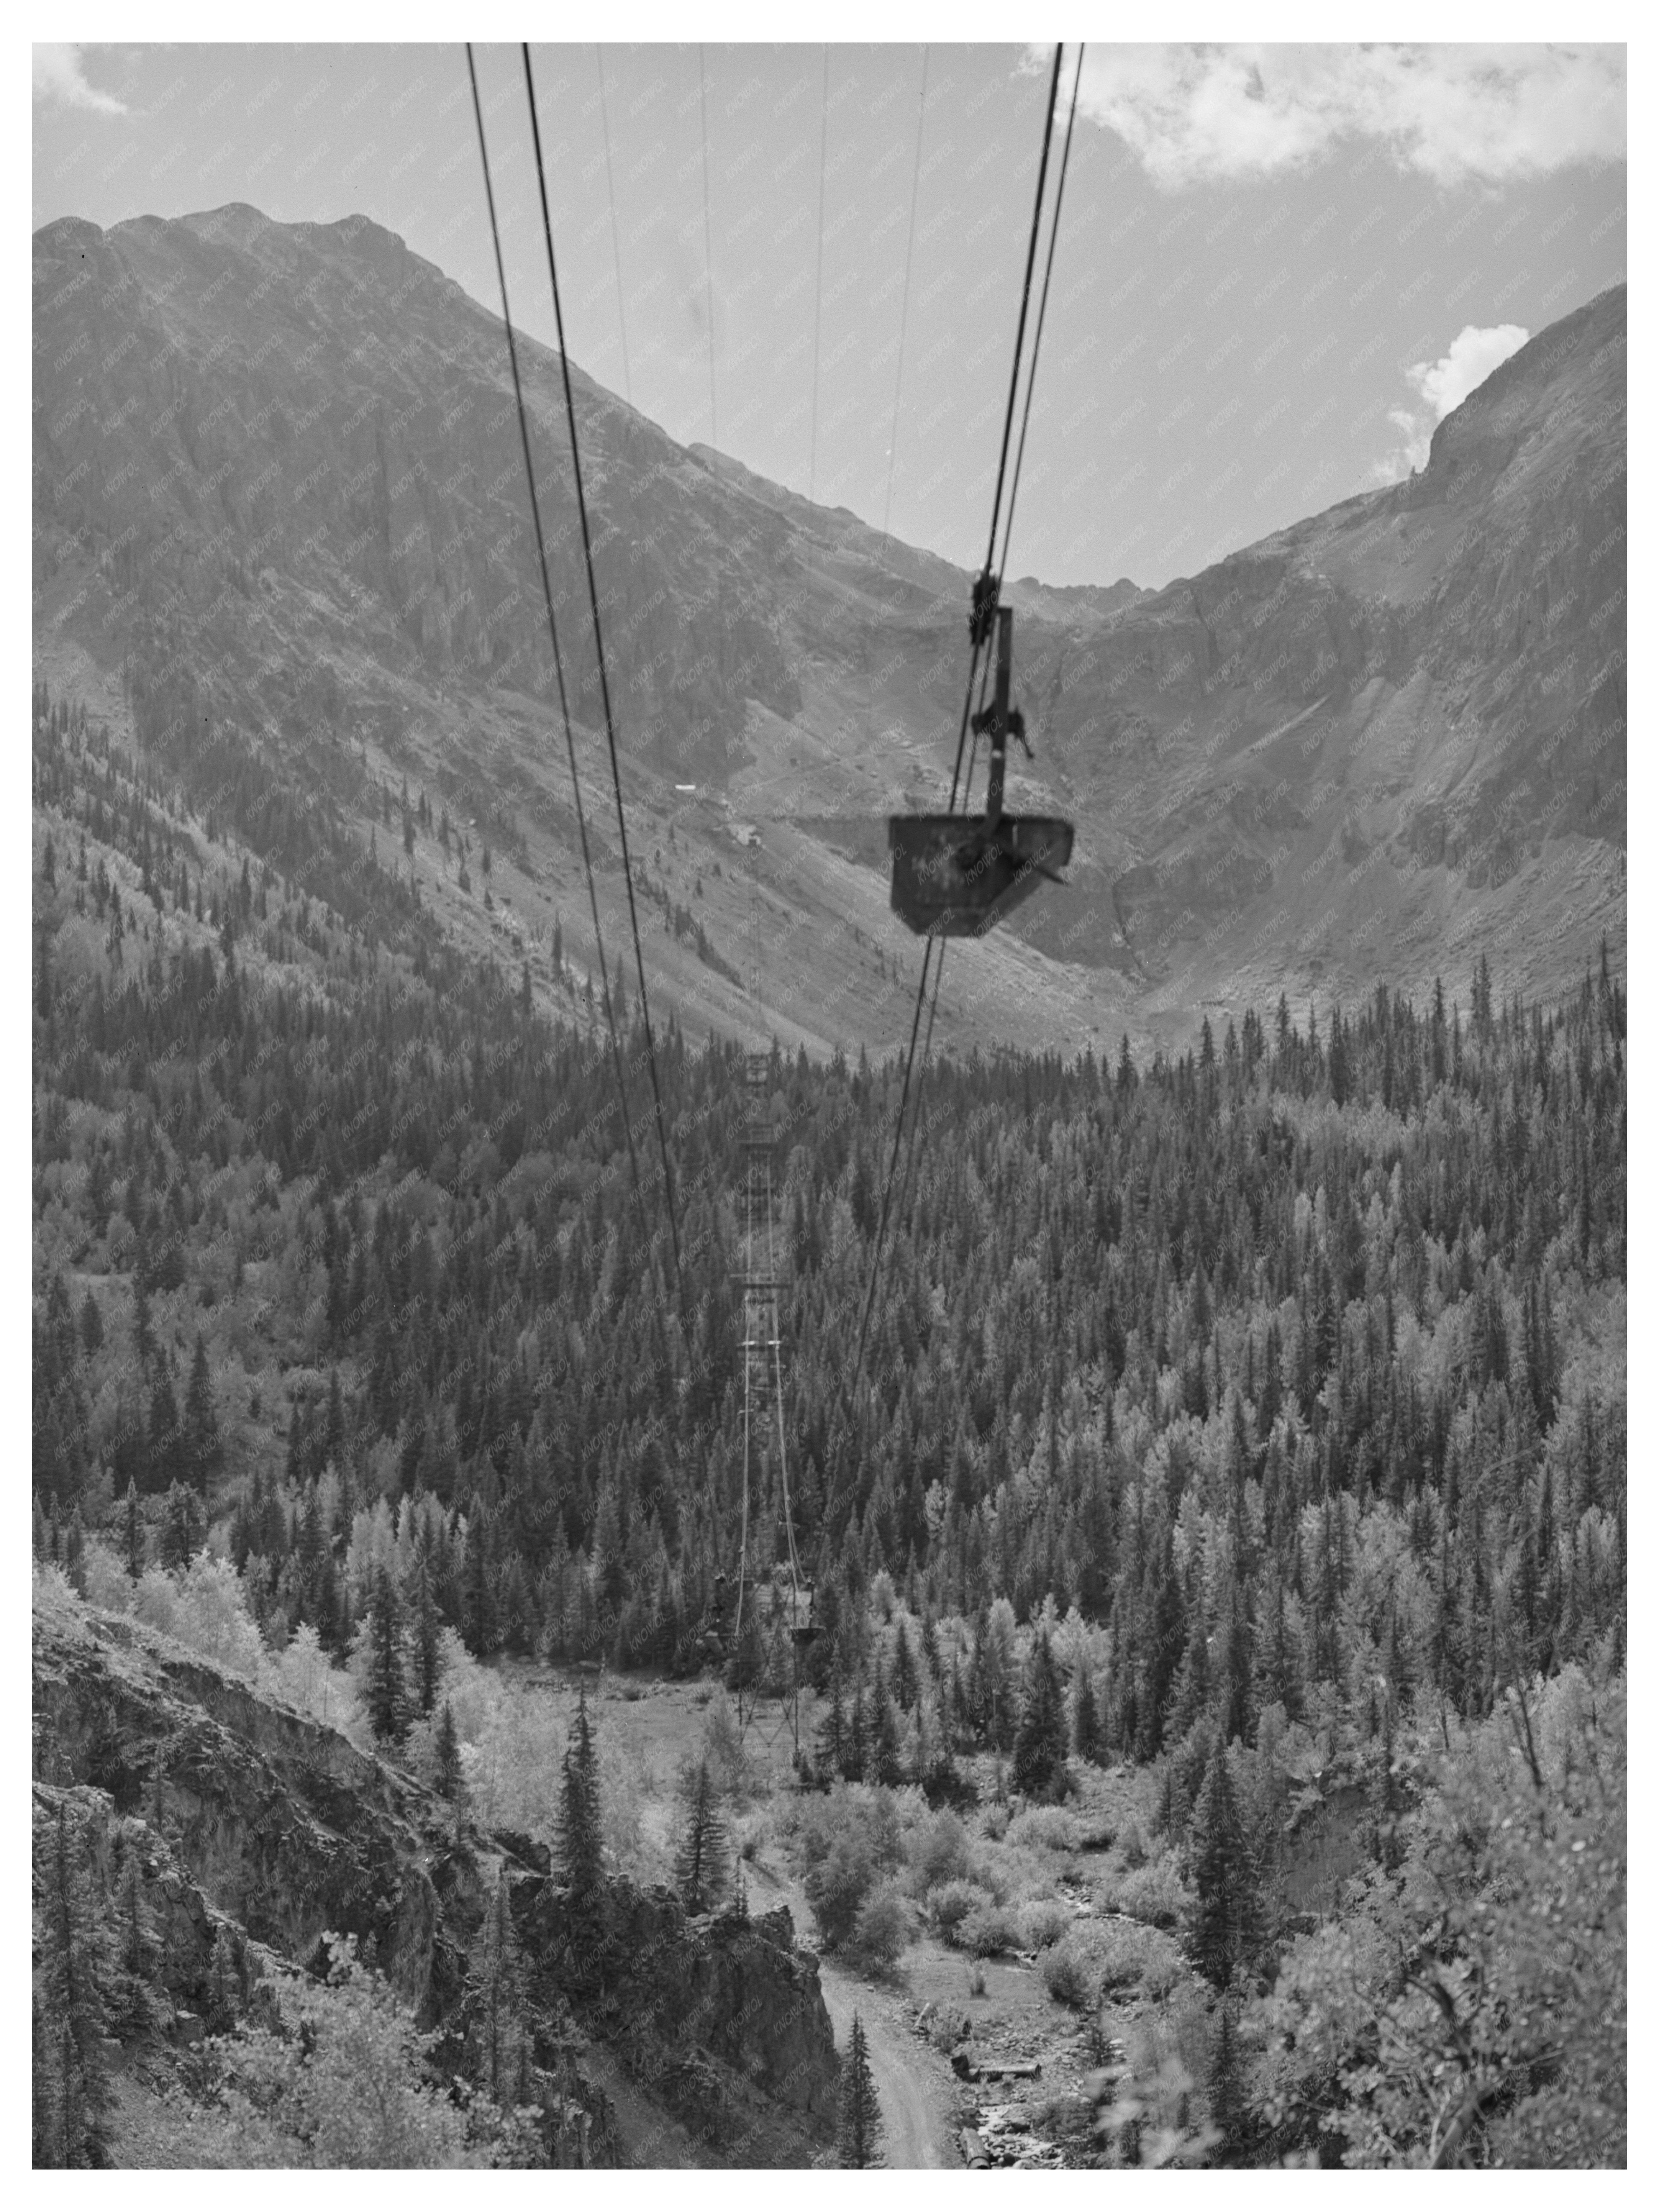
{"points": [[1374, 742]]}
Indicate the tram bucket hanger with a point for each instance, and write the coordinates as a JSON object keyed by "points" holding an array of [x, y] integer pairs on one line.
{"points": [[954, 875]]}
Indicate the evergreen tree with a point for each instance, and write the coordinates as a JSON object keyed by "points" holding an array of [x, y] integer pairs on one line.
{"points": [[134, 2007], [581, 1860], [861, 2128], [700, 1865], [832, 1729], [478, 1616], [385, 1693], [856, 1756], [446, 1756], [502, 2004], [163, 1441], [1040, 1740], [1227, 1922], [886, 1766], [75, 1979], [224, 1983], [132, 1533], [1228, 2109], [904, 1671], [1085, 1719], [425, 1627], [202, 1450], [182, 1530]]}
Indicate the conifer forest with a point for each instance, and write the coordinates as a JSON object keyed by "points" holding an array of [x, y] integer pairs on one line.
{"points": [[1267, 1394], [785, 1414]]}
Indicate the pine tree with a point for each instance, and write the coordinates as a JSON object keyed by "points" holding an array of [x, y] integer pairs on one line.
{"points": [[385, 1693], [832, 1729], [1085, 1719], [425, 1627], [1040, 1741], [855, 1754], [580, 1853], [446, 1756], [479, 1621], [224, 1983], [182, 1530], [132, 1533], [886, 1766], [904, 1671], [861, 2127], [1228, 2111], [700, 1865], [75, 1979], [502, 2004], [202, 1450], [161, 1436], [1226, 1924], [134, 2006]]}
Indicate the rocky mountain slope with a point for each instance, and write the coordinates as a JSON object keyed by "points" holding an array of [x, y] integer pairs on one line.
{"points": [[280, 524], [676, 2042]]}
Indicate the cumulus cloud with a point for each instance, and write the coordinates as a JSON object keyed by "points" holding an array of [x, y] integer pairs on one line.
{"points": [[60, 77], [1440, 385], [1199, 114]]}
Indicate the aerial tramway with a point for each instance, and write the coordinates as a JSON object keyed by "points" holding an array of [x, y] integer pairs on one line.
{"points": [[954, 874]]}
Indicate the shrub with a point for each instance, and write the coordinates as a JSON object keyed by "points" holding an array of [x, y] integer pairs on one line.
{"points": [[883, 1927], [836, 1887], [202, 1606], [108, 1584], [872, 1816], [1124, 1952], [55, 1603], [341, 2081], [1045, 1922], [722, 1746], [988, 1929], [938, 1853], [953, 1902], [1121, 1956], [1048, 1827], [1155, 1894], [306, 1678], [1069, 1975]]}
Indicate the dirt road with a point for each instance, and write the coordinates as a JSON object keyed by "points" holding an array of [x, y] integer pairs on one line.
{"points": [[911, 2080]]}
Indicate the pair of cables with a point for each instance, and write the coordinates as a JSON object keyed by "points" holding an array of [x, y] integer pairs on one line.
{"points": [[985, 592], [599, 648]]}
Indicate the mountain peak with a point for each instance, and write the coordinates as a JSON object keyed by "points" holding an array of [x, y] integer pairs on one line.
{"points": [[1301, 768], [1517, 398]]}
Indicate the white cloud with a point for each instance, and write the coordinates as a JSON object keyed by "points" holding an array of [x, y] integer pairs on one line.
{"points": [[59, 75], [1440, 385], [1204, 114]]}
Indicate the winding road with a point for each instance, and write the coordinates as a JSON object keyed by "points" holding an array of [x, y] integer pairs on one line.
{"points": [[911, 2080]]}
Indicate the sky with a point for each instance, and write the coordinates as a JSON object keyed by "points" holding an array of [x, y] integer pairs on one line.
{"points": [[1277, 266]]}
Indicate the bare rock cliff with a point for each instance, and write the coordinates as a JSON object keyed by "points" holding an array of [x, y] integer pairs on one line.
{"points": [[243, 1814]]}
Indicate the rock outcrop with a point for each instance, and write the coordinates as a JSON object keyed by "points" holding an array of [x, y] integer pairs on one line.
{"points": [[244, 1814]]}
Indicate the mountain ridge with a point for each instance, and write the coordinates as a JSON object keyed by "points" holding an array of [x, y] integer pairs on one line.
{"points": [[1383, 736]]}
